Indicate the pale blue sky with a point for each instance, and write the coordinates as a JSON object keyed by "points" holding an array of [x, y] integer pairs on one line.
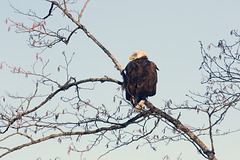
{"points": [[169, 31]]}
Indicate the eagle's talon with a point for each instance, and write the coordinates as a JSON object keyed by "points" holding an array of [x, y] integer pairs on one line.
{"points": [[140, 106]]}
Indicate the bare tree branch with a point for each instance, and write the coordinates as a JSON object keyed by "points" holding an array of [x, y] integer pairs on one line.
{"points": [[113, 127], [183, 128], [49, 12], [85, 5], [222, 94], [82, 27]]}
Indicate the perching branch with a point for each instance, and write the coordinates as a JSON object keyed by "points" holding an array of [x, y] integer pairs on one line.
{"points": [[210, 154]]}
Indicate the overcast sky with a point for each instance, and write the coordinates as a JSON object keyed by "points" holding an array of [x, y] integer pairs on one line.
{"points": [[169, 31]]}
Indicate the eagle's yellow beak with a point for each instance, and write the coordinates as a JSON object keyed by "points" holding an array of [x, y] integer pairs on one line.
{"points": [[132, 57]]}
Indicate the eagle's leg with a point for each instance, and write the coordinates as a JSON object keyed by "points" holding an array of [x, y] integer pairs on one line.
{"points": [[134, 100], [140, 106]]}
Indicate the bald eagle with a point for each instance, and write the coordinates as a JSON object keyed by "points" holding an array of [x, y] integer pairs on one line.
{"points": [[140, 78]]}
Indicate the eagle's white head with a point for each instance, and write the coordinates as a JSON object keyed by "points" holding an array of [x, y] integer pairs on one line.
{"points": [[138, 54]]}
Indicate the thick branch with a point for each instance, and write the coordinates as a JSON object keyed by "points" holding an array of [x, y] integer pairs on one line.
{"points": [[184, 129]]}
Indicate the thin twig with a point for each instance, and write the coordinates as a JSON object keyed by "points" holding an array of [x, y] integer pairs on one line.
{"points": [[84, 7]]}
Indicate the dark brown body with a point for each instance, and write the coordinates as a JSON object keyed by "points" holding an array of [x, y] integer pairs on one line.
{"points": [[140, 80]]}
